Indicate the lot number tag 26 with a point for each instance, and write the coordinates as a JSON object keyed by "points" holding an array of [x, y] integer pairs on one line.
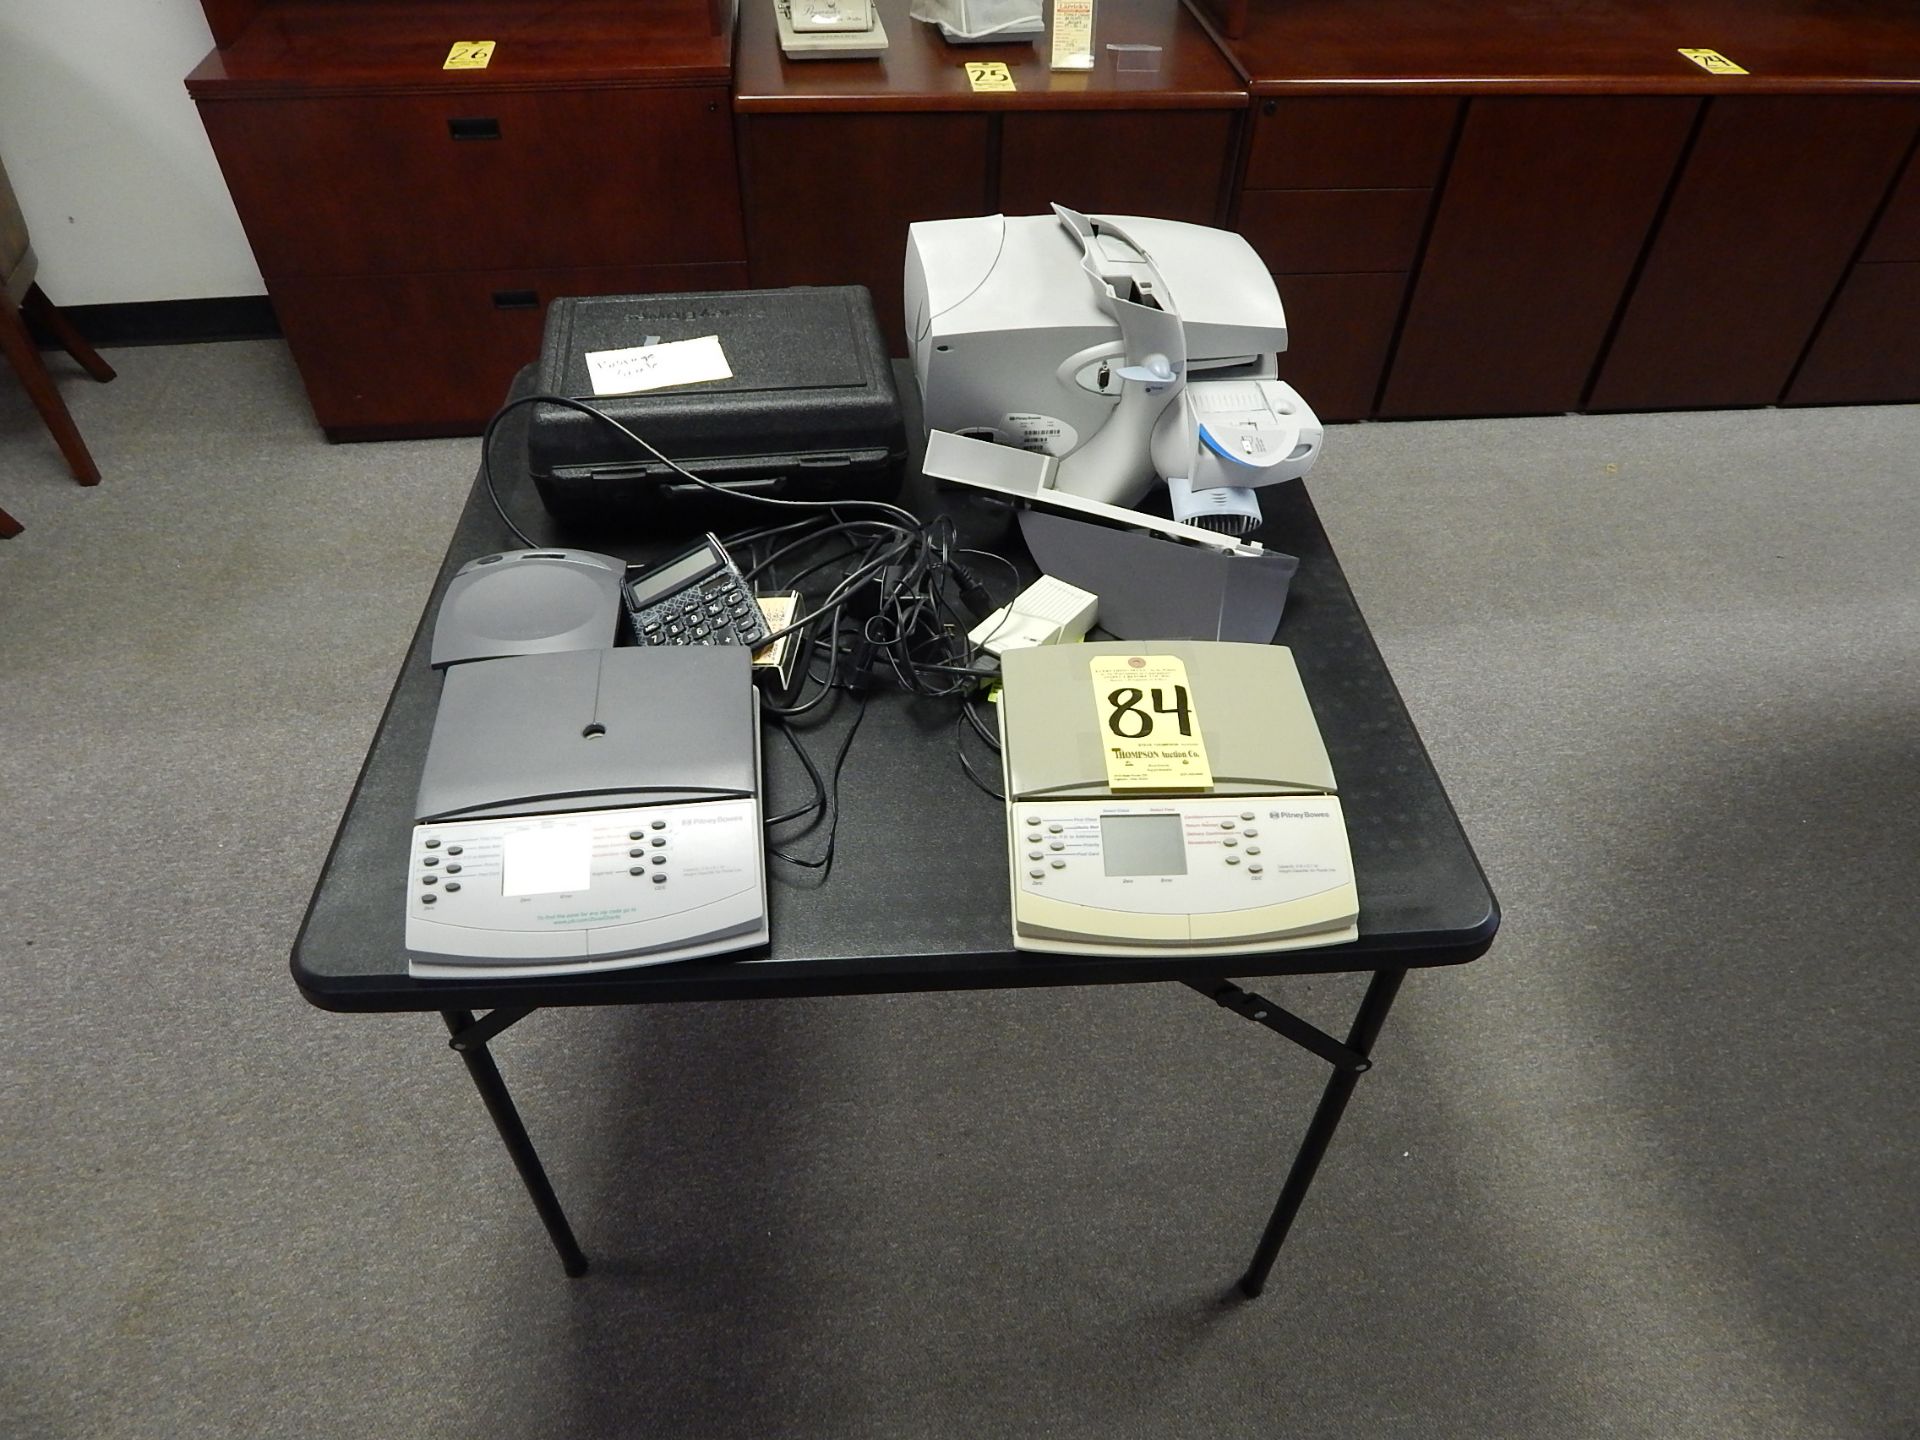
{"points": [[1149, 724]]}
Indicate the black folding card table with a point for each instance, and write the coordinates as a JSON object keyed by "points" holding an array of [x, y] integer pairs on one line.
{"points": [[912, 907]]}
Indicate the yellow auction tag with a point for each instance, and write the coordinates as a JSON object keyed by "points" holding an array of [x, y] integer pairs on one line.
{"points": [[1149, 724], [985, 75], [1713, 62], [469, 55]]}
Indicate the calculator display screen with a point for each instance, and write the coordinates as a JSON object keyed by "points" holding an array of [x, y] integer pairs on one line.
{"points": [[676, 575]]}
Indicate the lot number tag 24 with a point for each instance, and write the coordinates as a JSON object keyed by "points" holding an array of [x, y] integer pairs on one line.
{"points": [[1149, 724]]}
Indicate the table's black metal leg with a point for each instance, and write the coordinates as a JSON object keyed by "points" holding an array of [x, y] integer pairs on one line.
{"points": [[1326, 1119], [493, 1091]]}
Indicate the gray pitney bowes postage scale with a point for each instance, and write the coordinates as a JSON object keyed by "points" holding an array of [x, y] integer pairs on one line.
{"points": [[1170, 796], [587, 810]]}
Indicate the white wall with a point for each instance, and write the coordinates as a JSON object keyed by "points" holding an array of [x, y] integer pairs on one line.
{"points": [[120, 189]]}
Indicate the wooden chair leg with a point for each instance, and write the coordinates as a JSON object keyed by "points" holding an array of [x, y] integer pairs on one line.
{"points": [[24, 356], [71, 340], [9, 527]]}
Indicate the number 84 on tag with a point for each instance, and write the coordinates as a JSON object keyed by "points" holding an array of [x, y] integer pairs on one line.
{"points": [[1149, 724]]}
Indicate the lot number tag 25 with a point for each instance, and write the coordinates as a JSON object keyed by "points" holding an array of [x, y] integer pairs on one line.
{"points": [[1149, 723]]}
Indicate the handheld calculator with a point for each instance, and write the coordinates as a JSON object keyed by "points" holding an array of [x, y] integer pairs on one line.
{"points": [[699, 598]]}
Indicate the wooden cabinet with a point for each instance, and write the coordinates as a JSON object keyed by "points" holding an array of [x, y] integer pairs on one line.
{"points": [[838, 158], [1868, 346], [1776, 197], [411, 222], [1339, 332], [1547, 205], [1896, 235], [1585, 219], [422, 183], [1321, 142], [1463, 216], [1336, 197], [1332, 232]]}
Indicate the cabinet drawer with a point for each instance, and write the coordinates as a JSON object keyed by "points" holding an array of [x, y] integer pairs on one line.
{"points": [[1866, 352], [1170, 164], [433, 354], [1339, 328], [1334, 232], [393, 184], [1395, 142]]}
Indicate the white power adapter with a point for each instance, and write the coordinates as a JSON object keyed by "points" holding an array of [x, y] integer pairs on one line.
{"points": [[1047, 612]]}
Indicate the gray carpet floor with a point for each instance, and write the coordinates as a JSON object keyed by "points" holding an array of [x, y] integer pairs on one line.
{"points": [[1648, 1169]]}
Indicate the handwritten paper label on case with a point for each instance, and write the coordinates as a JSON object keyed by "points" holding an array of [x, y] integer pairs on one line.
{"points": [[655, 367]]}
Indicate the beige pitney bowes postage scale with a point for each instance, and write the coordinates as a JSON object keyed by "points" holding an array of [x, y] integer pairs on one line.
{"points": [[1172, 796]]}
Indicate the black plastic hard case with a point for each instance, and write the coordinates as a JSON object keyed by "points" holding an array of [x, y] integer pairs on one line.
{"points": [[811, 412]]}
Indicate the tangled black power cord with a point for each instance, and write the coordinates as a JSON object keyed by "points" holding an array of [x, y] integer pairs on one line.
{"points": [[881, 596]]}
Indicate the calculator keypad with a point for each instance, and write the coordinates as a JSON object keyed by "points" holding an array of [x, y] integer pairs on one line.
{"points": [[716, 611]]}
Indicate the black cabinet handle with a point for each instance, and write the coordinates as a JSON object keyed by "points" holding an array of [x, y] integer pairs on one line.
{"points": [[474, 127], [516, 300]]}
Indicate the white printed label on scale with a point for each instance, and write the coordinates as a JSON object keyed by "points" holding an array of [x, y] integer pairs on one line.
{"points": [[1042, 434], [654, 367], [1149, 724]]}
